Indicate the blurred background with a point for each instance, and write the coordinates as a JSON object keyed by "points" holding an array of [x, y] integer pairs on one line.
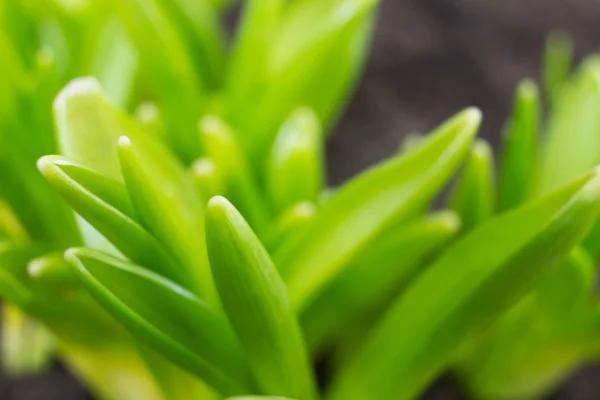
{"points": [[430, 58]]}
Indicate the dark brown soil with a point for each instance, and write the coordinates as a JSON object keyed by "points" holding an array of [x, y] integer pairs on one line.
{"points": [[430, 59]]}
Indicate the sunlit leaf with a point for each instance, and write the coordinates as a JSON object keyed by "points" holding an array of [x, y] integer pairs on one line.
{"points": [[173, 78], [237, 177], [519, 148], [255, 300], [295, 168], [572, 144], [358, 211], [105, 205], [167, 205], [475, 192], [541, 339], [375, 276], [466, 289]]}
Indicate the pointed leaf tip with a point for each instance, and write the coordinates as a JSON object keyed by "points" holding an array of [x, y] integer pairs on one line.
{"points": [[255, 299]]}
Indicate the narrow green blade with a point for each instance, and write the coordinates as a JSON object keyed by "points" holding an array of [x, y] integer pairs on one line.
{"points": [[223, 148], [255, 300], [541, 340], [295, 166], [88, 128], [288, 226], [166, 317], [362, 208], [519, 148], [200, 26], [572, 145], [558, 58], [167, 205], [315, 67], [167, 60], [375, 276], [465, 290], [474, 195], [104, 204], [246, 69]]}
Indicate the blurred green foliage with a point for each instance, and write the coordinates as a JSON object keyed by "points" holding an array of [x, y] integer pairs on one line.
{"points": [[177, 239]]}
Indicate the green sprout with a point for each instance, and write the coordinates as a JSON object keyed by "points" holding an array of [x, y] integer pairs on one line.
{"points": [[166, 228]]}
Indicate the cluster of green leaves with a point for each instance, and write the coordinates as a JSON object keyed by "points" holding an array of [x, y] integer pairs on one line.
{"points": [[182, 244], [175, 91], [554, 328]]}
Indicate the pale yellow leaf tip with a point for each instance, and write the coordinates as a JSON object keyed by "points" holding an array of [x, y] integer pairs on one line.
{"points": [[77, 89], [472, 116], [219, 202]]}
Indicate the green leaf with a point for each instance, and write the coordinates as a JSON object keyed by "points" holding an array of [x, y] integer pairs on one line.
{"points": [[199, 23], [255, 300], [295, 167], [540, 340], [375, 277], [114, 61], [246, 72], [519, 148], [337, 46], [288, 226], [166, 317], [315, 67], [572, 144], [105, 205], [166, 204], [465, 290], [88, 128], [474, 194], [172, 77], [239, 185], [558, 58], [361, 209]]}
